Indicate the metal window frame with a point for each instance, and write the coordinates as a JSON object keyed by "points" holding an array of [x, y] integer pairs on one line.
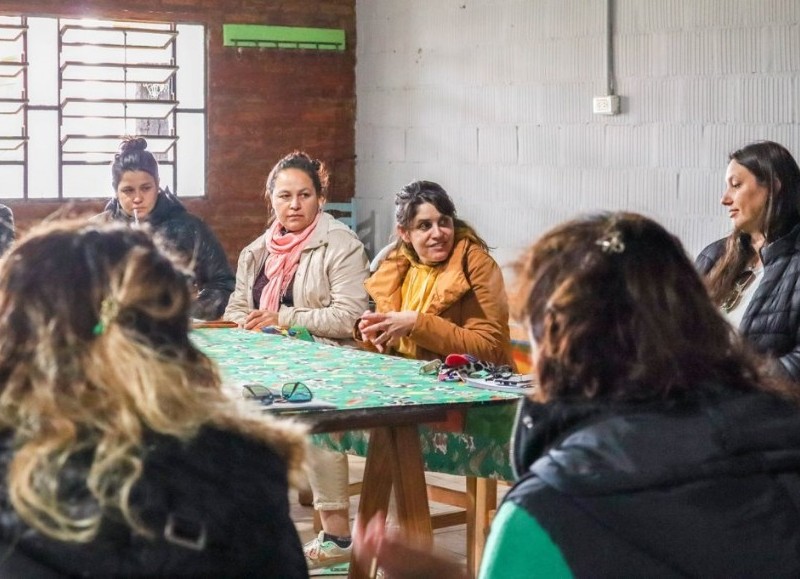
{"points": [[166, 76], [70, 34], [20, 141]]}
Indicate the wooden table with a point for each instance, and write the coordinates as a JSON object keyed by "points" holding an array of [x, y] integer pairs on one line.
{"points": [[382, 393]]}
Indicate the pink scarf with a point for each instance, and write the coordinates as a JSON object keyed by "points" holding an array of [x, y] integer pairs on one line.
{"points": [[284, 257]]}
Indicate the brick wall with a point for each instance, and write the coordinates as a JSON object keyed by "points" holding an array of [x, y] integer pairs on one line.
{"points": [[261, 104]]}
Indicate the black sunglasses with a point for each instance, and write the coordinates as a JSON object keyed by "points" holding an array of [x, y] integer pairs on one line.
{"points": [[290, 392]]}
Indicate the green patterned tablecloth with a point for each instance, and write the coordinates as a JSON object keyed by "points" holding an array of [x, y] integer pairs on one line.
{"points": [[354, 379]]}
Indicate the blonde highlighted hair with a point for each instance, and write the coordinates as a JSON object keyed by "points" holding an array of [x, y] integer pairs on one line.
{"points": [[95, 355]]}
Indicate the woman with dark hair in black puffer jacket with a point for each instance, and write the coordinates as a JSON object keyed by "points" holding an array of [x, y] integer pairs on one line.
{"points": [[753, 274], [139, 199]]}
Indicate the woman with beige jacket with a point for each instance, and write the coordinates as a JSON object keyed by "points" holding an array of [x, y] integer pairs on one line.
{"points": [[307, 269]]}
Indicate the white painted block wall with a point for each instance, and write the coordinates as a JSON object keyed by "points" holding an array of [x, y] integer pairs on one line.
{"points": [[493, 99]]}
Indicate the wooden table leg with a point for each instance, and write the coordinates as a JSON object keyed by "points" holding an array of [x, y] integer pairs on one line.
{"points": [[485, 503], [376, 485], [394, 459], [410, 491]]}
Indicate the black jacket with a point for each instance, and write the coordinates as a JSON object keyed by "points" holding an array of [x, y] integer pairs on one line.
{"points": [[222, 484], [708, 489], [771, 322], [6, 228], [195, 240]]}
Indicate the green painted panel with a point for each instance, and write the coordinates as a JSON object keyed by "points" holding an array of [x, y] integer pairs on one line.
{"points": [[262, 36]]}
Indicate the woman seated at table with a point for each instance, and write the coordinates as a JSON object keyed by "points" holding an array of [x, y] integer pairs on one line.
{"points": [[753, 273], [653, 447], [119, 453], [439, 292], [308, 268], [140, 199]]}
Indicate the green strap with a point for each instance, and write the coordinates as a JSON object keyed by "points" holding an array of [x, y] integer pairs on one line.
{"points": [[518, 546]]}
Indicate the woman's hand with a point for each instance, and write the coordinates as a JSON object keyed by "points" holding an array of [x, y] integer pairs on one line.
{"points": [[258, 319], [374, 546], [385, 329]]}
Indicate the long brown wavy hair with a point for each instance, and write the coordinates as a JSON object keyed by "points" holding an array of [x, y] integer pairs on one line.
{"points": [[618, 312], [774, 168], [95, 353]]}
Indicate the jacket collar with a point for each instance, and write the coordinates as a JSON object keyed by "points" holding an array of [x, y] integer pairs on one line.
{"points": [[592, 448], [167, 206], [321, 234], [789, 243], [385, 285]]}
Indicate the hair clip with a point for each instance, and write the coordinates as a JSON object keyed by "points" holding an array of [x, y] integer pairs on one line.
{"points": [[611, 242], [108, 313]]}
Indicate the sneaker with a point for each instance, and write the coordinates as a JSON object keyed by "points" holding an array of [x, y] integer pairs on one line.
{"points": [[321, 553]]}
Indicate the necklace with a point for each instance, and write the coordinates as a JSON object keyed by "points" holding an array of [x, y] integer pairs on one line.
{"points": [[742, 282]]}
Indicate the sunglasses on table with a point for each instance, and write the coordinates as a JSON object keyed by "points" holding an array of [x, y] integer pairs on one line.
{"points": [[290, 392]]}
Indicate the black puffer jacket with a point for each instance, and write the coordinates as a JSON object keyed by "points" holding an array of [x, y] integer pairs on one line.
{"points": [[195, 240], [6, 228], [708, 489], [772, 319], [223, 485]]}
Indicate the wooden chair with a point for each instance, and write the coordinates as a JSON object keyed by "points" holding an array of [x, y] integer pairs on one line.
{"points": [[347, 213], [478, 503], [344, 212]]}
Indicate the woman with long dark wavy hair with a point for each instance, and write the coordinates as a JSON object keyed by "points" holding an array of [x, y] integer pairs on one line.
{"points": [[753, 273]]}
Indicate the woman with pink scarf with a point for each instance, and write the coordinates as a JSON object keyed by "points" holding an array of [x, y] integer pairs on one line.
{"points": [[307, 269]]}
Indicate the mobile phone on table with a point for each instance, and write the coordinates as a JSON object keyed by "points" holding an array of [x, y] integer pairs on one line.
{"points": [[519, 380]]}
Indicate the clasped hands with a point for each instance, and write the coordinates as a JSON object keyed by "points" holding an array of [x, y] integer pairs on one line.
{"points": [[258, 319], [384, 330]]}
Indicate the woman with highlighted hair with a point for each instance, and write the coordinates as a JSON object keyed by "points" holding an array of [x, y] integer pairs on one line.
{"points": [[120, 455]]}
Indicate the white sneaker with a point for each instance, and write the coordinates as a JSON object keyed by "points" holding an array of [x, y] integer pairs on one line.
{"points": [[322, 553]]}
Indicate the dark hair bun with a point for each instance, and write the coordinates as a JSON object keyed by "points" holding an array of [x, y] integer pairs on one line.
{"points": [[130, 144]]}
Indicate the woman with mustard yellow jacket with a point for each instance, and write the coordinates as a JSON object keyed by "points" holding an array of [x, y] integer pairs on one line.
{"points": [[438, 292]]}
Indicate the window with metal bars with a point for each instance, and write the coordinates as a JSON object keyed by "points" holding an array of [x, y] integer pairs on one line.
{"points": [[70, 89]]}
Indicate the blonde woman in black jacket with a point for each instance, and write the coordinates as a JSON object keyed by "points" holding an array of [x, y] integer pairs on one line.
{"points": [[120, 456]]}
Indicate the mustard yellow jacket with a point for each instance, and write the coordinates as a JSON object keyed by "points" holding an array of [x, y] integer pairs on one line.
{"points": [[468, 313]]}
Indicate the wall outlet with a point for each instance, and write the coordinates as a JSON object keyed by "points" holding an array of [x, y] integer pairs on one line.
{"points": [[605, 105]]}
